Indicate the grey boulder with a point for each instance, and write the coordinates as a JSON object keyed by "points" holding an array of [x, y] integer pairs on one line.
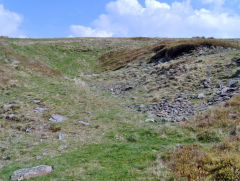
{"points": [[201, 96], [27, 173], [58, 118], [84, 123]]}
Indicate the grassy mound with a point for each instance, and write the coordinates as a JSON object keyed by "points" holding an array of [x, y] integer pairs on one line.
{"points": [[166, 49], [173, 49], [32, 66]]}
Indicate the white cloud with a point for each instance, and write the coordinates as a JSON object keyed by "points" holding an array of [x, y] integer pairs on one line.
{"points": [[130, 7], [82, 31], [9, 23], [216, 2], [152, 4], [179, 19]]}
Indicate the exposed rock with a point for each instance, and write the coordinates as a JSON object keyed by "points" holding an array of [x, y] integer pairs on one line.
{"points": [[205, 83], [169, 88], [61, 136], [168, 111], [36, 101], [83, 123], [58, 118], [6, 157], [201, 96], [12, 102], [232, 83], [39, 110], [236, 60], [163, 148], [150, 120], [6, 107], [31, 172], [38, 157], [62, 147], [10, 116], [226, 90]]}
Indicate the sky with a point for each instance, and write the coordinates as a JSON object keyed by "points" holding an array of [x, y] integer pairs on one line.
{"points": [[119, 18]]}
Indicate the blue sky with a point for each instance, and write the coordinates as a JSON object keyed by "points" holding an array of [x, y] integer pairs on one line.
{"points": [[105, 18]]}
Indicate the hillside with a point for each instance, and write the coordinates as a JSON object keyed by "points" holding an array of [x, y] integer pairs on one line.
{"points": [[120, 108]]}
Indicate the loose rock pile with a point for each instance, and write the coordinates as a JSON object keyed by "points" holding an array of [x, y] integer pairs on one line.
{"points": [[197, 93], [177, 110]]}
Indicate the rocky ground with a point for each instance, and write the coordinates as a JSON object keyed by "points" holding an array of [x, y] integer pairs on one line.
{"points": [[178, 89]]}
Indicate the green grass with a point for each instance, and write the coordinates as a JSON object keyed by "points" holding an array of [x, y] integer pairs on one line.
{"points": [[70, 62], [110, 160]]}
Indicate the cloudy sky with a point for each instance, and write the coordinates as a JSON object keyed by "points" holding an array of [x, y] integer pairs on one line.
{"points": [[120, 18]]}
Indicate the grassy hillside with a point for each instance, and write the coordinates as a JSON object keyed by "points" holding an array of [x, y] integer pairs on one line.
{"points": [[121, 108]]}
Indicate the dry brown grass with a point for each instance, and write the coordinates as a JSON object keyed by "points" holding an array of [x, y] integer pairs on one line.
{"points": [[191, 163], [166, 49], [172, 49], [225, 116], [187, 162], [219, 161], [141, 38], [115, 60]]}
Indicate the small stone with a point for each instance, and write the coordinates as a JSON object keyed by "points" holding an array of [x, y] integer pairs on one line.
{"points": [[39, 110], [12, 102], [182, 119], [232, 83], [6, 157], [150, 120], [62, 147], [225, 90], [58, 118], [61, 136], [163, 148], [201, 96], [10, 116], [36, 101], [28, 130], [6, 107], [31, 172], [166, 119], [84, 123], [1, 166], [38, 157]]}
